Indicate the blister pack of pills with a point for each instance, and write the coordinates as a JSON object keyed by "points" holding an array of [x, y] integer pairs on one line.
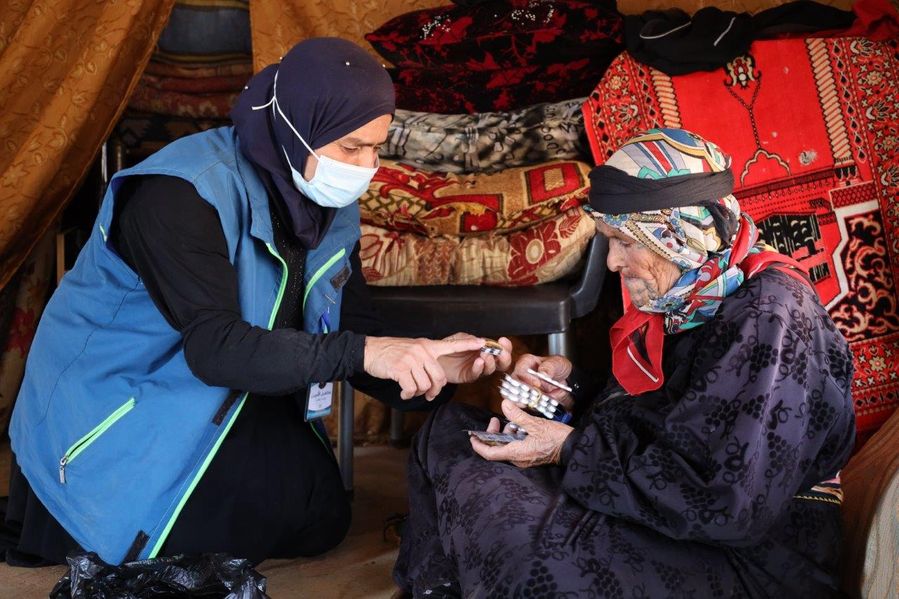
{"points": [[533, 400], [496, 438], [492, 347]]}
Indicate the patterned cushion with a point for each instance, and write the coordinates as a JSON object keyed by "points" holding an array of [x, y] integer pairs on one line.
{"points": [[516, 33], [201, 63], [818, 168], [488, 141], [541, 253], [402, 198], [186, 98], [453, 89]]}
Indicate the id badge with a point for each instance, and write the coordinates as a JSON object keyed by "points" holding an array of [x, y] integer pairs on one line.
{"points": [[319, 398]]}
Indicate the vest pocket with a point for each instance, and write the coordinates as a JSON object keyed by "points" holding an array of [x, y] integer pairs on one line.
{"points": [[84, 442]]}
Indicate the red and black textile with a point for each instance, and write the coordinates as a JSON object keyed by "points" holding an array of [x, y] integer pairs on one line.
{"points": [[453, 90], [813, 129], [503, 34], [498, 56]]}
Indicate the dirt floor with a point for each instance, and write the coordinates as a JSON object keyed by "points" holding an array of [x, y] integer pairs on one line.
{"points": [[360, 567]]}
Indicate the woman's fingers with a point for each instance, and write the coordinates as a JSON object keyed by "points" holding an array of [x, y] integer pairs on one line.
{"points": [[409, 362], [494, 453], [422, 380], [407, 384], [455, 344], [525, 362], [437, 377], [493, 425], [479, 366], [504, 360], [515, 414]]}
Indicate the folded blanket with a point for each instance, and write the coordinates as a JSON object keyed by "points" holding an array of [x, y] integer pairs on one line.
{"points": [[544, 252], [403, 198], [487, 142]]}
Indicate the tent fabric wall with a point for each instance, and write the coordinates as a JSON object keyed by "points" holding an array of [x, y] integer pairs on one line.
{"points": [[67, 68], [277, 26]]}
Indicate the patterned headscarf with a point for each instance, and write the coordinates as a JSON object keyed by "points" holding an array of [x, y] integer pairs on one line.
{"points": [[670, 190], [699, 238]]}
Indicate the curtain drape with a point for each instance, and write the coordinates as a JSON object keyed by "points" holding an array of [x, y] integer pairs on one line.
{"points": [[277, 26], [67, 68]]}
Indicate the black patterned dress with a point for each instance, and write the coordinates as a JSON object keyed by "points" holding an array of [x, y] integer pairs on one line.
{"points": [[716, 485]]}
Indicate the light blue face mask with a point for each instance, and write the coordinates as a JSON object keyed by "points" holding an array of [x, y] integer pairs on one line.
{"points": [[335, 184]]}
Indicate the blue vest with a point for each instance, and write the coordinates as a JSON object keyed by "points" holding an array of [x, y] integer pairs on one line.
{"points": [[111, 428]]}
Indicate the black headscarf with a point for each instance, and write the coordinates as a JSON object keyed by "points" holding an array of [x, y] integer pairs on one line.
{"points": [[327, 87]]}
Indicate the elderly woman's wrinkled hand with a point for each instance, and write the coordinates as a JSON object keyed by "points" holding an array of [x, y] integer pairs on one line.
{"points": [[555, 367], [543, 444]]}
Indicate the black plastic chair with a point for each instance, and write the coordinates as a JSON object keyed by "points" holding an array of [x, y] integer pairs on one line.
{"points": [[546, 309], [438, 311]]}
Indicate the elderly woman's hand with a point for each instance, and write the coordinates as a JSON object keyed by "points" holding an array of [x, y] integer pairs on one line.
{"points": [[555, 367], [542, 445]]}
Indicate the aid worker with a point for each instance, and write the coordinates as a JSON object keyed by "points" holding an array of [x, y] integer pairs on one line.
{"points": [[173, 394]]}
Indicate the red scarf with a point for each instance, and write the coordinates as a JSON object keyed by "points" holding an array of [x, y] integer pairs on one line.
{"points": [[641, 371]]}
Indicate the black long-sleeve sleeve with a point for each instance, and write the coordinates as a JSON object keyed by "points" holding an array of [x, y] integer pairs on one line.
{"points": [[174, 241]]}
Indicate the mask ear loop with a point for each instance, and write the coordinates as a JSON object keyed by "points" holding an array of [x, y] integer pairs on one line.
{"points": [[276, 110], [273, 100]]}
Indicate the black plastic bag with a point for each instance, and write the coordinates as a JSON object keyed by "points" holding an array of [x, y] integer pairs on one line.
{"points": [[201, 577]]}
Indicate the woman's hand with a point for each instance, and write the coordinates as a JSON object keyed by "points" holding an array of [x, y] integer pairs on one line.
{"points": [[415, 363], [467, 366], [555, 367], [542, 445]]}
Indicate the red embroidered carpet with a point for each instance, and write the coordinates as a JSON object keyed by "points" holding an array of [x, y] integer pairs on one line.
{"points": [[813, 128]]}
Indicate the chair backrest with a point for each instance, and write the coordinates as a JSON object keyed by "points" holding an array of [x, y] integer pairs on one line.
{"points": [[436, 311], [585, 293]]}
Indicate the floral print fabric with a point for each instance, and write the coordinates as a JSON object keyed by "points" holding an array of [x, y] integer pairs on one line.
{"points": [[455, 89], [494, 35], [498, 55], [403, 198], [63, 69], [542, 253]]}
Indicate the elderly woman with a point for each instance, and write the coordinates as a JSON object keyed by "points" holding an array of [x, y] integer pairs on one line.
{"points": [[709, 469]]}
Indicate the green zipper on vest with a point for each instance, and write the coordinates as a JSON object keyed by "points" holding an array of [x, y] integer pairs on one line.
{"points": [[318, 274], [84, 442], [226, 427]]}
